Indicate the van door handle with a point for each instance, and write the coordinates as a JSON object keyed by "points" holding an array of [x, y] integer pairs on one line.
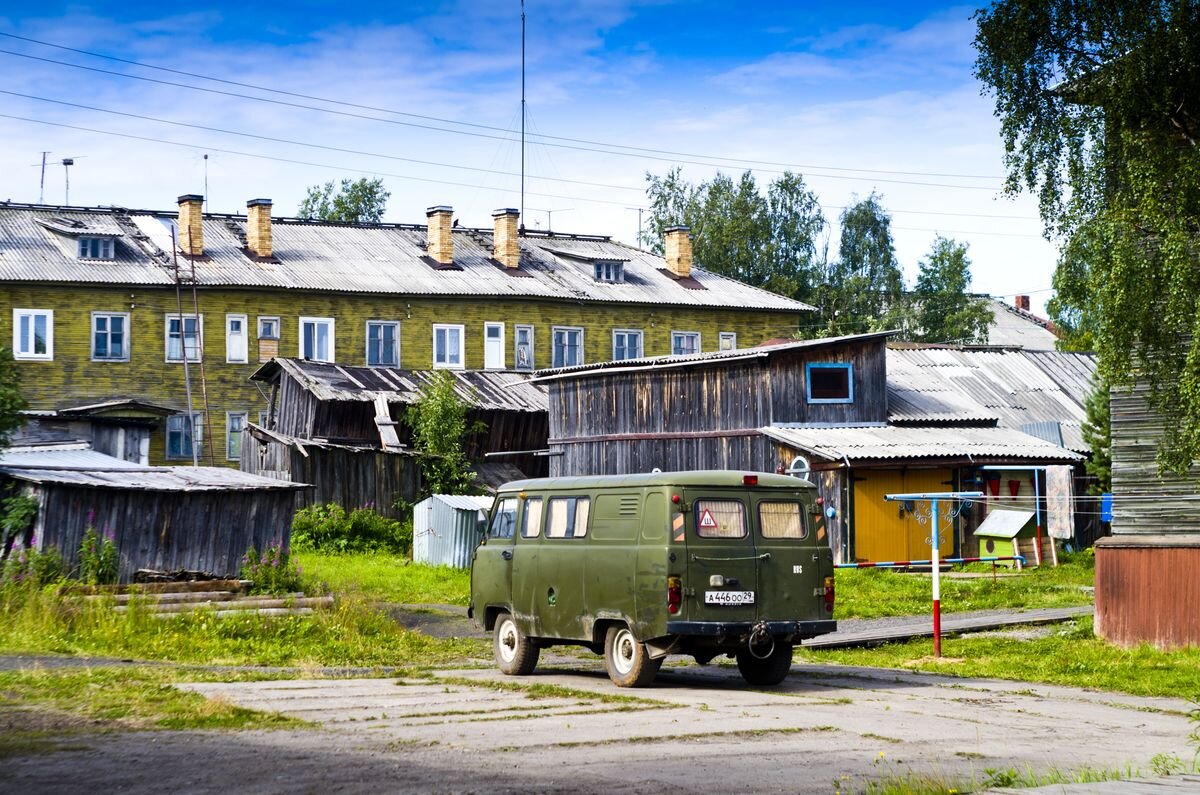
{"points": [[506, 554]]}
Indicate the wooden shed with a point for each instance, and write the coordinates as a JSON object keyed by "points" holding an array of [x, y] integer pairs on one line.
{"points": [[1146, 583], [193, 519]]}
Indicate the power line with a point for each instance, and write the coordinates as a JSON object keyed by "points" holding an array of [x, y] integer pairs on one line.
{"points": [[578, 148], [475, 125], [366, 153], [291, 160]]}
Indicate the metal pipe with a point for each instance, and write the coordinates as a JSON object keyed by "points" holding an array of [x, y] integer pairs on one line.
{"points": [[895, 564]]}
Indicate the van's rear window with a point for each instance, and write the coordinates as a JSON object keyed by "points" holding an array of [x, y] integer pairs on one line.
{"points": [[781, 520], [720, 519]]}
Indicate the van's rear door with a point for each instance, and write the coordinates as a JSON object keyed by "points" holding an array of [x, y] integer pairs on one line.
{"points": [[793, 566], [722, 560]]}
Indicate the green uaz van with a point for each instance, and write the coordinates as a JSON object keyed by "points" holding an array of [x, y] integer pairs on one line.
{"points": [[637, 567]]}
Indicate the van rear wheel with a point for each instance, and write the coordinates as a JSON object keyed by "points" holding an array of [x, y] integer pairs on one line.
{"points": [[626, 659], [515, 654], [764, 672]]}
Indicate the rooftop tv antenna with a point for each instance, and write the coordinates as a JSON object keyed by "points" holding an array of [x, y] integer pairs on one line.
{"points": [[523, 114], [67, 163], [550, 214], [42, 183]]}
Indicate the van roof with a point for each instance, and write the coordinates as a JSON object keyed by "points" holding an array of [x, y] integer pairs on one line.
{"points": [[704, 477]]}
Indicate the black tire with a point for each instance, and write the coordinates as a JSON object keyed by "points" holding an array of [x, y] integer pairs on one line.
{"points": [[626, 659], [771, 671], [515, 654]]}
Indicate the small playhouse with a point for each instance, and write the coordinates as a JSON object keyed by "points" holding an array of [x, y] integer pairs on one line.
{"points": [[447, 528], [1007, 532]]}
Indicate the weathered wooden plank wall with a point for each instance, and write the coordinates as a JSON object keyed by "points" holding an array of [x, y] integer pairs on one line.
{"points": [[788, 374], [206, 531], [1136, 434], [351, 478]]}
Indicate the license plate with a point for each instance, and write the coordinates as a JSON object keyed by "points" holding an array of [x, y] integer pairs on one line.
{"points": [[729, 597]]}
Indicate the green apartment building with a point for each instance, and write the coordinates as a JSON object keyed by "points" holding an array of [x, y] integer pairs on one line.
{"points": [[136, 309]]}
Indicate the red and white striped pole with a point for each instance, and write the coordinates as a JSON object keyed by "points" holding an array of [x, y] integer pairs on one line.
{"points": [[937, 585]]}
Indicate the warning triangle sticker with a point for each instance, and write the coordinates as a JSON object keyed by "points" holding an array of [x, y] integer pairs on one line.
{"points": [[707, 521]]}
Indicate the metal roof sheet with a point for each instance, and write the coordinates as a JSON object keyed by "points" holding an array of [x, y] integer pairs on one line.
{"points": [[482, 389], [1003, 523], [87, 468], [894, 441], [356, 258], [463, 502]]}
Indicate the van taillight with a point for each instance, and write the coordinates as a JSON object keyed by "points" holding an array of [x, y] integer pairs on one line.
{"points": [[829, 595], [674, 594]]}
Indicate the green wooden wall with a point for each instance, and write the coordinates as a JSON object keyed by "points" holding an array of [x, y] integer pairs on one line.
{"points": [[73, 378]]}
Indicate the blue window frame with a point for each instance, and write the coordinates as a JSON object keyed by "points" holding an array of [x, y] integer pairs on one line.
{"points": [[829, 382]]}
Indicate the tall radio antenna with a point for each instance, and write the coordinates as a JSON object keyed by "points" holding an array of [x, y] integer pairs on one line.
{"points": [[522, 114]]}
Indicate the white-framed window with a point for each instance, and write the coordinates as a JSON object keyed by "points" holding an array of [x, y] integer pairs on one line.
{"points": [[236, 346], [607, 270], [567, 347], [728, 341], [316, 339], [627, 344], [110, 336], [33, 334], [185, 336], [95, 247], [235, 423], [685, 342], [268, 327], [493, 346], [447, 346], [523, 347], [829, 382], [181, 435], [262, 419], [383, 343]]}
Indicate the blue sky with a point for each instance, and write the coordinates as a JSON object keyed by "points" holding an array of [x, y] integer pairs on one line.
{"points": [[855, 96]]}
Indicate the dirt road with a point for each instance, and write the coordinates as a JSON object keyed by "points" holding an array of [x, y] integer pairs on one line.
{"points": [[698, 729]]}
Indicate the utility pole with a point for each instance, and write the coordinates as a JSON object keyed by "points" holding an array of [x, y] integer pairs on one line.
{"points": [[522, 114]]}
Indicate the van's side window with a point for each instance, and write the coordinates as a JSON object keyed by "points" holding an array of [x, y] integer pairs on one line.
{"points": [[568, 517], [505, 519], [720, 519], [531, 522], [781, 520]]}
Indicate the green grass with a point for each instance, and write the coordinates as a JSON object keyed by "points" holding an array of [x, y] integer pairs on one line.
{"points": [[912, 783], [348, 634], [878, 593], [382, 577], [38, 708], [1071, 656]]}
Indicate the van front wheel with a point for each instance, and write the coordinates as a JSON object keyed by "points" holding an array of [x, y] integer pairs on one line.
{"points": [[764, 672], [627, 660], [515, 653]]}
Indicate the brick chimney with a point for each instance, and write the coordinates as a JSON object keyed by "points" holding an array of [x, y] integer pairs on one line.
{"points": [[1023, 302], [506, 245], [258, 227], [679, 250], [441, 240], [191, 228]]}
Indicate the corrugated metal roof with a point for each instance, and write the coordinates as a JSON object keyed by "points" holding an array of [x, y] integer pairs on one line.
{"points": [[485, 390], [87, 468], [357, 258], [464, 502], [699, 359], [70, 455], [1014, 328], [887, 442], [1016, 388]]}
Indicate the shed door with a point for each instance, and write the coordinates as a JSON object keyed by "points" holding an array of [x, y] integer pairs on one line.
{"points": [[886, 531]]}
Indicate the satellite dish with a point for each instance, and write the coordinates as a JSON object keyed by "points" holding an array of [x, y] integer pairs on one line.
{"points": [[800, 467]]}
